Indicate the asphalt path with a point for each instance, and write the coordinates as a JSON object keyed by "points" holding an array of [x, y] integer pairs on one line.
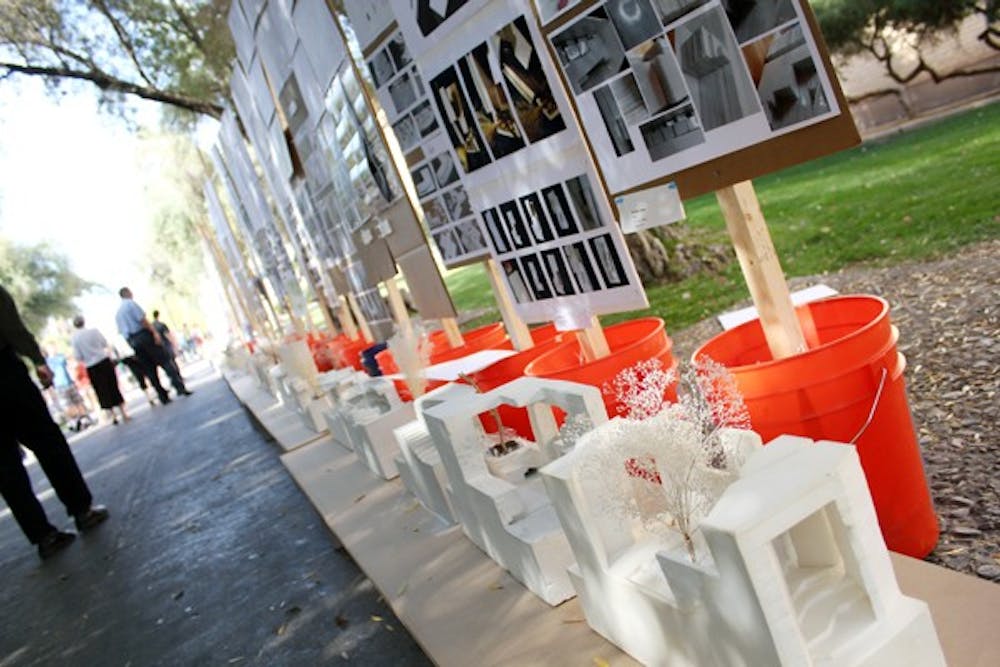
{"points": [[212, 555]]}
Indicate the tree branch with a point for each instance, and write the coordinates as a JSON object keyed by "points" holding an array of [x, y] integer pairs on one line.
{"points": [[189, 28], [107, 82], [123, 39]]}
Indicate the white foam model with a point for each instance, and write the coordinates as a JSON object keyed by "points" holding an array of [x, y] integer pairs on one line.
{"points": [[792, 571], [371, 421], [515, 524], [309, 405], [419, 462], [345, 388], [278, 378]]}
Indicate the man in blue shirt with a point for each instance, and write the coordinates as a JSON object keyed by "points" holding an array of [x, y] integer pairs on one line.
{"points": [[148, 346], [25, 419]]}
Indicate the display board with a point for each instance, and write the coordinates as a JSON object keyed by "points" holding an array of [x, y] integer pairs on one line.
{"points": [[512, 137], [231, 252], [697, 91], [450, 220]]}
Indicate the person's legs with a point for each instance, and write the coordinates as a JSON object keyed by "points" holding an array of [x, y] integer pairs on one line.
{"points": [[166, 361], [15, 486], [25, 418], [33, 427], [146, 352]]}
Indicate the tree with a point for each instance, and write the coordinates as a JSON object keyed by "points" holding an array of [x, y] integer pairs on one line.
{"points": [[896, 32], [40, 281], [176, 52], [174, 251]]}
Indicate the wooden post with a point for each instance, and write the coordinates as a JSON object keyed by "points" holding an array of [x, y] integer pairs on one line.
{"points": [[517, 330], [398, 307], [347, 319], [593, 344], [452, 332], [366, 331], [761, 269]]}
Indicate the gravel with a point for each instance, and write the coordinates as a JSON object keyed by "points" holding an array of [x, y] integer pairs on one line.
{"points": [[948, 314]]}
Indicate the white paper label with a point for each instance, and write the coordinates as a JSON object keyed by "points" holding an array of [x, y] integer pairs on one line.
{"points": [[384, 228], [648, 208], [366, 236]]}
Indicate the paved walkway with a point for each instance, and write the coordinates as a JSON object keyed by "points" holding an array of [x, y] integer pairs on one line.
{"points": [[212, 556]]}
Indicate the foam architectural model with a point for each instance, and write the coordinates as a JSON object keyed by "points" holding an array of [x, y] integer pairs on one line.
{"points": [[345, 388], [515, 524], [419, 463], [370, 420], [791, 569], [301, 384]]}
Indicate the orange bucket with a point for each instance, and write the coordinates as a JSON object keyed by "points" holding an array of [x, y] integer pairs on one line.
{"points": [[630, 342], [848, 385], [489, 337]]}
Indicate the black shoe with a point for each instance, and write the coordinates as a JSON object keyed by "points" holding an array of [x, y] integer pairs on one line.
{"points": [[164, 400], [53, 543], [94, 516], [186, 392]]}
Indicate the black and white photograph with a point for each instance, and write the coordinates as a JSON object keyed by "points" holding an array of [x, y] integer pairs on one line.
{"points": [[788, 81], [713, 66], [432, 13], [559, 210], [423, 180], [584, 202], [529, 88], [490, 103], [555, 268], [549, 9], [751, 18], [381, 68], [534, 276], [614, 120], [581, 267], [514, 224], [434, 213], [425, 119], [535, 218], [498, 235], [608, 261], [445, 171], [657, 76], [634, 20], [672, 133], [456, 201], [589, 51], [458, 120], [406, 133], [672, 10], [397, 49], [403, 92], [448, 244], [516, 281], [470, 236]]}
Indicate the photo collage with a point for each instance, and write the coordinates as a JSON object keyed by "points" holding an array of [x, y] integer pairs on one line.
{"points": [[497, 98], [367, 160], [449, 216], [662, 75], [554, 243]]}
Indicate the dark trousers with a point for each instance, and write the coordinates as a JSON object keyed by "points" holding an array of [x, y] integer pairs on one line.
{"points": [[25, 419], [151, 355]]}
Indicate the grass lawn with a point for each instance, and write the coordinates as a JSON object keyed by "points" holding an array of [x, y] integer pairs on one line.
{"points": [[911, 196]]}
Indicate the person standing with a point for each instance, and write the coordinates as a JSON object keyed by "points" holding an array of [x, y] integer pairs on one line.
{"points": [[168, 340], [91, 349], [148, 346], [73, 407], [25, 420]]}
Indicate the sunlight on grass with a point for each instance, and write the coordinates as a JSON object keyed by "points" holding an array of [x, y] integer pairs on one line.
{"points": [[911, 196]]}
